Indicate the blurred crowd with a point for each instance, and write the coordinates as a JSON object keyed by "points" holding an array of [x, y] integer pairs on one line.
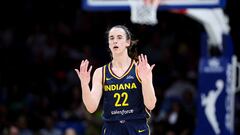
{"points": [[42, 42]]}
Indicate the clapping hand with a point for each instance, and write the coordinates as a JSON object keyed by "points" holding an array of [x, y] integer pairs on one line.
{"points": [[83, 72], [144, 69]]}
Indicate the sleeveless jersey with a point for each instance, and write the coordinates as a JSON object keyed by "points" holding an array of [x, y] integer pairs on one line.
{"points": [[122, 96]]}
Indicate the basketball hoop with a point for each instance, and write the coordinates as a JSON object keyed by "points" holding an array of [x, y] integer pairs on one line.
{"points": [[144, 12]]}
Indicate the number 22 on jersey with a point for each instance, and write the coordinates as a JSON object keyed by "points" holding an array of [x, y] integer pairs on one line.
{"points": [[118, 96]]}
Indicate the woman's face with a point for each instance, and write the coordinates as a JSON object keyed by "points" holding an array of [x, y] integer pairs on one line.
{"points": [[117, 40]]}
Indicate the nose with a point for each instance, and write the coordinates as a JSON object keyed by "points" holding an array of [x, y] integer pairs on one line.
{"points": [[115, 40]]}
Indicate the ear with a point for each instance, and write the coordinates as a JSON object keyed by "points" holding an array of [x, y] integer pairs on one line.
{"points": [[128, 42]]}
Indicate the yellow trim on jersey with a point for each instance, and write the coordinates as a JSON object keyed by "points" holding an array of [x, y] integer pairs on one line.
{"points": [[136, 72], [129, 69], [149, 130], [104, 74], [147, 111]]}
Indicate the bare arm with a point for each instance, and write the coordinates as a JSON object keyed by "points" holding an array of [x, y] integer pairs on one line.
{"points": [[145, 74], [91, 98]]}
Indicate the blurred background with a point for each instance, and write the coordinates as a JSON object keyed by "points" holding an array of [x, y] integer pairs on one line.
{"points": [[42, 42]]}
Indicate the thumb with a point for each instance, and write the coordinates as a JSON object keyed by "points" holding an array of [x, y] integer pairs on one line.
{"points": [[77, 71], [152, 66]]}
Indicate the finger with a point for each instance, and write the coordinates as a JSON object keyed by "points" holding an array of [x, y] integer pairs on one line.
{"points": [[90, 69], [141, 56], [143, 59], [82, 66], [77, 71], [82, 62], [146, 60], [152, 66], [139, 59], [86, 65]]}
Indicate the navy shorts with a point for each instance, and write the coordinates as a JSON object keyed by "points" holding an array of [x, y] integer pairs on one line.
{"points": [[126, 127]]}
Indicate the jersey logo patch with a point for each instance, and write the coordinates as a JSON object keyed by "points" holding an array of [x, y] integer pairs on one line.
{"points": [[140, 131], [109, 79], [130, 77]]}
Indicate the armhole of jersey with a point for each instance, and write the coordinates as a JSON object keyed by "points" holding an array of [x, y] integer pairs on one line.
{"points": [[136, 71], [103, 74], [148, 113]]}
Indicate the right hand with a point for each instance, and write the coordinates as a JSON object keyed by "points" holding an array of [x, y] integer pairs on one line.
{"points": [[83, 72]]}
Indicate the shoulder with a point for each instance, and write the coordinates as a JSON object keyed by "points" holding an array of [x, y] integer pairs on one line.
{"points": [[98, 70], [97, 75]]}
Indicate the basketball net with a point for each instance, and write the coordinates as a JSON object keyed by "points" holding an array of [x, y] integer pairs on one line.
{"points": [[144, 11]]}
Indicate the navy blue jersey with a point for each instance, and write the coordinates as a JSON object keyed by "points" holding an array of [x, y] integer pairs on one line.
{"points": [[122, 96]]}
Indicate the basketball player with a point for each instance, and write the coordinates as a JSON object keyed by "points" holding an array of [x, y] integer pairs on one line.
{"points": [[125, 84]]}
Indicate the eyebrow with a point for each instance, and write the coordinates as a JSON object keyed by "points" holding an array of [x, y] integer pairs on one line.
{"points": [[117, 36]]}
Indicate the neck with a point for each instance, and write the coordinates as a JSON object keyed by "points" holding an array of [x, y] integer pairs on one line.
{"points": [[121, 61]]}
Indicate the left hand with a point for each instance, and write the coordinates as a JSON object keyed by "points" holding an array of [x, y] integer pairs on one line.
{"points": [[144, 69]]}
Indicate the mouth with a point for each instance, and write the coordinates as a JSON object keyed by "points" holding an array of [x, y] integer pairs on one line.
{"points": [[115, 47]]}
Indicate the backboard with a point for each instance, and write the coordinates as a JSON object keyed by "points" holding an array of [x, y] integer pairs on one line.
{"points": [[115, 5]]}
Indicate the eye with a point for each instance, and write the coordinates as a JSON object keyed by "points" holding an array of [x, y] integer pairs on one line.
{"points": [[119, 37], [111, 38]]}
